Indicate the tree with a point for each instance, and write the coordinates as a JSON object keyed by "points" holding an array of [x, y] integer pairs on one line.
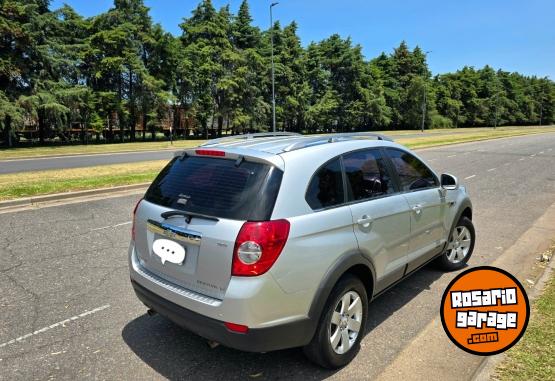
{"points": [[65, 75], [338, 73], [249, 109], [208, 49]]}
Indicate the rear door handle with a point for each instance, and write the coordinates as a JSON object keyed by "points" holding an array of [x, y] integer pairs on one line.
{"points": [[365, 221], [417, 209]]}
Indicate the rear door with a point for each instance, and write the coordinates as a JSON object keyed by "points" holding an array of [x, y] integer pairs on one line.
{"points": [[420, 188], [381, 217], [188, 222]]}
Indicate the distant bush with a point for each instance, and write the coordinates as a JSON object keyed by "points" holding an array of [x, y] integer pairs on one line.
{"points": [[440, 121]]}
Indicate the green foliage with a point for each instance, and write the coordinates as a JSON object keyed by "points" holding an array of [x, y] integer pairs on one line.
{"points": [[65, 76]]}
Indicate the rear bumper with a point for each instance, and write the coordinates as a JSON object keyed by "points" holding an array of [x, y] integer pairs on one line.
{"points": [[289, 335]]}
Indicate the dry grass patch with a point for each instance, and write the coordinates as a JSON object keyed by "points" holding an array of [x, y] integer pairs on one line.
{"points": [[28, 184]]}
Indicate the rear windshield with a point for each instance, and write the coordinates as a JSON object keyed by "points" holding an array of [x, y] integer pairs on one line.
{"points": [[217, 187]]}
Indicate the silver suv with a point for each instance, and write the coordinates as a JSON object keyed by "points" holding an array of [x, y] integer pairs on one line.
{"points": [[270, 241]]}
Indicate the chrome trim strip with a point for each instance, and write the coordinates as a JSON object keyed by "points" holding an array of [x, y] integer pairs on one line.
{"points": [[173, 287], [174, 232]]}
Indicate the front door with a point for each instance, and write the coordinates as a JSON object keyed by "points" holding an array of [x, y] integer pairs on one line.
{"points": [[381, 216], [427, 206]]}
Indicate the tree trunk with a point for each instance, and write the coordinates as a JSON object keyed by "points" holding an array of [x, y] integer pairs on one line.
{"points": [[8, 123], [41, 128], [220, 125], [110, 130], [120, 124], [204, 124], [144, 123], [121, 129], [133, 118]]}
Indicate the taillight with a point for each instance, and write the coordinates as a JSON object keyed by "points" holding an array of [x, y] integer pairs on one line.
{"points": [[258, 246], [209, 152], [133, 221]]}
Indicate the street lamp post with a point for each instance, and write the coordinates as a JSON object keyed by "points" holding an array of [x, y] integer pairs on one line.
{"points": [[424, 100], [273, 79], [541, 102]]}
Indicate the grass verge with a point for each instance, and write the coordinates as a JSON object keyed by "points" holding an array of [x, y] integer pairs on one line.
{"points": [[470, 136], [28, 184], [533, 358], [428, 139], [30, 152]]}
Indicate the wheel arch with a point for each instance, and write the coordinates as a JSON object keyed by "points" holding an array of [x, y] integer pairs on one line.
{"points": [[467, 212], [464, 210], [352, 263]]}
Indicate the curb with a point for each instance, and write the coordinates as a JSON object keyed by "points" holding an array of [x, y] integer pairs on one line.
{"points": [[67, 195], [486, 369]]}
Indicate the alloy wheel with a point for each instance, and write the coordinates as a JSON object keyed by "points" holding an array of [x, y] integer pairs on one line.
{"points": [[459, 244], [345, 323]]}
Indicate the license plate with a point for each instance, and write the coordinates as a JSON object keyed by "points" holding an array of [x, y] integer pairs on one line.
{"points": [[169, 251]]}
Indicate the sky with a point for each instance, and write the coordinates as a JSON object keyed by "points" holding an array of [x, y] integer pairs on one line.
{"points": [[513, 35]]}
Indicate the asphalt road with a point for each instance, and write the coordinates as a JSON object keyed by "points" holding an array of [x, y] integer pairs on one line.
{"points": [[65, 290], [80, 161]]}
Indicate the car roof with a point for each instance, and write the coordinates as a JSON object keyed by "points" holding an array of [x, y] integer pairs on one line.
{"points": [[276, 148], [278, 143]]}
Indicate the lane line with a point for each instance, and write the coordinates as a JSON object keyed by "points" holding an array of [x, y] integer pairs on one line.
{"points": [[533, 155], [491, 169], [521, 159], [111, 226], [469, 177], [52, 326], [451, 155]]}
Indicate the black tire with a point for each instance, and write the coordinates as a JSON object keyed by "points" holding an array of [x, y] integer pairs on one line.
{"points": [[320, 350], [443, 261]]}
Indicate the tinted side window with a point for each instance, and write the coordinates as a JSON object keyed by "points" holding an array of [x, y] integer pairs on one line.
{"points": [[413, 174], [326, 187], [367, 175]]}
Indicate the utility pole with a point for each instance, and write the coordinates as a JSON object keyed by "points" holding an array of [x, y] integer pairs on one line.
{"points": [[273, 79], [424, 100]]}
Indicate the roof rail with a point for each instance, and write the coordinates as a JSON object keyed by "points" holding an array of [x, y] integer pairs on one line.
{"points": [[248, 137], [332, 138]]}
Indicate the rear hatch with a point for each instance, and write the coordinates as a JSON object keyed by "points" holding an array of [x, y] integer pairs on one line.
{"points": [[187, 224]]}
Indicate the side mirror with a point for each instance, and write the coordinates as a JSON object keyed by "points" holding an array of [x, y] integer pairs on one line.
{"points": [[449, 182]]}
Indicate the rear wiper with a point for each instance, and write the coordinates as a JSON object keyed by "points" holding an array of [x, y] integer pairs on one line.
{"points": [[188, 215]]}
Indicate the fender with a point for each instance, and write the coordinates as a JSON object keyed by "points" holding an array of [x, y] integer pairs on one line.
{"points": [[465, 203], [335, 271]]}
